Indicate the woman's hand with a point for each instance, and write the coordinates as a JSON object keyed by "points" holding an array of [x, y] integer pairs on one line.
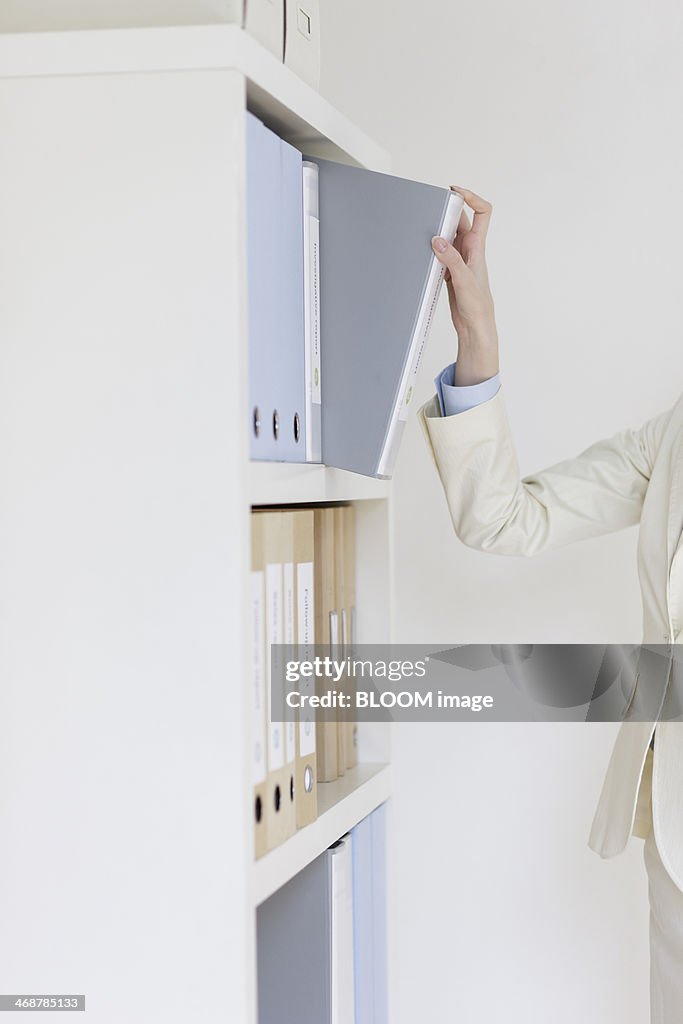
{"points": [[469, 294]]}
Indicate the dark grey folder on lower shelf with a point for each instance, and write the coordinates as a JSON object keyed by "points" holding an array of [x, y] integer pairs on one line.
{"points": [[293, 930]]}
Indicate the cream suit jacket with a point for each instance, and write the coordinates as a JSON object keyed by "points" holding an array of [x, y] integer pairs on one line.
{"points": [[635, 476]]}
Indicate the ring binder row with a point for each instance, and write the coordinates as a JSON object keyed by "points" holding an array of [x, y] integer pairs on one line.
{"points": [[322, 937], [302, 590], [337, 328]]}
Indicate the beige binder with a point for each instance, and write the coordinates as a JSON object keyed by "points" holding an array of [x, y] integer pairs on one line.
{"points": [[257, 601], [265, 21], [348, 621], [279, 809], [289, 638], [306, 776], [326, 631], [302, 39], [340, 590]]}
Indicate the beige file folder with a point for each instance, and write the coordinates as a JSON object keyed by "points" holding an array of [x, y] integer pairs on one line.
{"points": [[289, 638], [340, 590], [265, 21], [257, 603], [279, 809], [306, 776], [326, 631], [302, 39], [348, 621]]}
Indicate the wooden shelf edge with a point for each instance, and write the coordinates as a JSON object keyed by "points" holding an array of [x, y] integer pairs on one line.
{"points": [[341, 805]]}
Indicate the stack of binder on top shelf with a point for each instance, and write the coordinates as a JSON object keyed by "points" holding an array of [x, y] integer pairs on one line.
{"points": [[342, 285], [275, 271], [285, 773], [322, 938]]}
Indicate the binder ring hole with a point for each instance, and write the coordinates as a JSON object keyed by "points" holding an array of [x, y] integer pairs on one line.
{"points": [[308, 778], [297, 427], [276, 424], [257, 421], [258, 809], [277, 798]]}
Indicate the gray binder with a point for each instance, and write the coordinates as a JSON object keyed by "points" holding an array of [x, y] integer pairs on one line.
{"points": [[305, 944], [379, 284]]}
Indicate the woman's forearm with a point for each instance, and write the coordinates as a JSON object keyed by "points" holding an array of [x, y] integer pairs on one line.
{"points": [[477, 355]]}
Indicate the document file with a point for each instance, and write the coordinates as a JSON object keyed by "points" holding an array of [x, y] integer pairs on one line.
{"points": [[370, 918], [275, 271], [257, 598], [326, 632], [306, 755], [305, 958], [379, 284]]}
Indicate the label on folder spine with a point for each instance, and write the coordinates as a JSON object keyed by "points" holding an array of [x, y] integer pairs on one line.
{"points": [[276, 754], [304, 592], [312, 299], [290, 639], [425, 323]]}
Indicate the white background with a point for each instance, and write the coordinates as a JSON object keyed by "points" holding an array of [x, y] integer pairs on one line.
{"points": [[567, 116]]}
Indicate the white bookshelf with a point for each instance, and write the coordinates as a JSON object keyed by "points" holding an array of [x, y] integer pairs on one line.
{"points": [[125, 537], [341, 805]]}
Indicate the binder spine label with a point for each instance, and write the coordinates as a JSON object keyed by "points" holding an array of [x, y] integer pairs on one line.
{"points": [[312, 307], [290, 639], [312, 364], [258, 640], [305, 639], [276, 753], [424, 324]]}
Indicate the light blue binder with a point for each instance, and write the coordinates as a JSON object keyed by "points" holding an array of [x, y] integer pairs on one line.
{"points": [[370, 918], [275, 296]]}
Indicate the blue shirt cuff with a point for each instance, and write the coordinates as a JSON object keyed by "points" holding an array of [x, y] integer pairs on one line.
{"points": [[454, 399]]}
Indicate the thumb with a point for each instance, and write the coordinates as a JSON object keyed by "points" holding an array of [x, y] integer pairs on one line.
{"points": [[449, 256]]}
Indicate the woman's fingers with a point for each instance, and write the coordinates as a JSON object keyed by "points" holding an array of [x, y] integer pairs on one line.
{"points": [[481, 208], [462, 232], [464, 223], [449, 256]]}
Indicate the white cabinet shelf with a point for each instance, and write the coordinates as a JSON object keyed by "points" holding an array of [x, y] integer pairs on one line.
{"points": [[283, 483], [341, 805]]}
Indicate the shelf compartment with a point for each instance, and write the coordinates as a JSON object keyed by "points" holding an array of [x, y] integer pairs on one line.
{"points": [[341, 805]]}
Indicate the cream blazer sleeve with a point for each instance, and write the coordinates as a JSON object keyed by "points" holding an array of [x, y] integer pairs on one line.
{"points": [[600, 490]]}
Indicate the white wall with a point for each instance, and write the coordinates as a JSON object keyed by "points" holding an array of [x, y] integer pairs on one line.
{"points": [[567, 117]]}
